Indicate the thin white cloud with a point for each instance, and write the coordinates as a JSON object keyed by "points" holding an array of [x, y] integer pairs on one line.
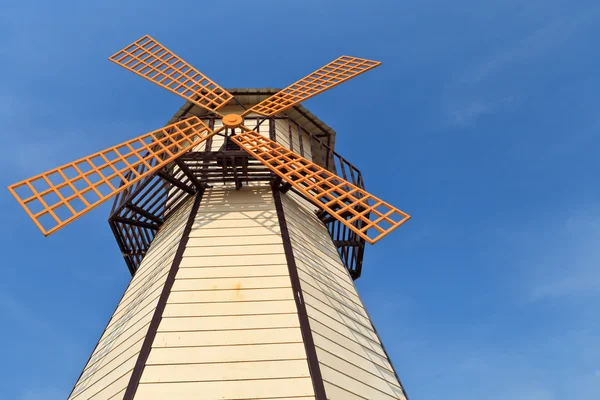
{"points": [[543, 370], [15, 311], [467, 114], [472, 93], [34, 145], [558, 31], [569, 259], [576, 284]]}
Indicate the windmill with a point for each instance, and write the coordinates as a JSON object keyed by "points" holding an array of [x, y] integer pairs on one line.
{"points": [[243, 231]]}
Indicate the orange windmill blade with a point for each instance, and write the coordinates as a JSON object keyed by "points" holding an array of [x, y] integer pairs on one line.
{"points": [[57, 197], [363, 213], [149, 59], [339, 70]]}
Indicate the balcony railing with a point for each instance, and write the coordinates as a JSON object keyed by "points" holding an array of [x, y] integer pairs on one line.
{"points": [[139, 211]]}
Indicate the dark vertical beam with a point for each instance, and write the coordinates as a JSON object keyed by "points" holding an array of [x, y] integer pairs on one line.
{"points": [[211, 126], [204, 174], [309, 344], [140, 363], [236, 179], [290, 135], [272, 134], [259, 123], [122, 246], [300, 136]]}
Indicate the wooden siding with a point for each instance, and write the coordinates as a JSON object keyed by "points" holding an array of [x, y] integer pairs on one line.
{"points": [[109, 368], [230, 328], [300, 141], [352, 361]]}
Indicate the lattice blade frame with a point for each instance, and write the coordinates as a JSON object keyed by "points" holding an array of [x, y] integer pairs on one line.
{"points": [[359, 210], [59, 196], [339, 70], [149, 59]]}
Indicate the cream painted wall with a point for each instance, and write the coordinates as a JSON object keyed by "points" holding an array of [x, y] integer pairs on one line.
{"points": [[230, 329], [108, 370], [352, 361], [283, 128], [231, 315]]}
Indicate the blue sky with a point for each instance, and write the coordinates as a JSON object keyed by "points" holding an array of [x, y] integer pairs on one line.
{"points": [[482, 123]]}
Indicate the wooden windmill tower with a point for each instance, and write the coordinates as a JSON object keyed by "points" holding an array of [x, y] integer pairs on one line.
{"points": [[243, 230]]}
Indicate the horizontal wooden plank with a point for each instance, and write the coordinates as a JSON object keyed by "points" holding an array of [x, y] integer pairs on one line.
{"points": [[322, 242], [241, 231], [232, 283], [232, 272], [221, 207], [312, 241], [225, 371], [238, 202], [159, 254], [233, 390], [324, 245], [232, 308], [200, 147], [139, 298], [118, 396], [283, 140], [323, 275], [226, 338], [244, 196], [340, 327], [228, 323], [232, 260], [362, 370], [306, 221], [299, 201], [233, 249], [340, 318], [322, 239], [336, 392], [327, 295], [309, 276], [357, 344], [224, 241], [136, 302], [117, 354], [209, 296], [131, 319], [208, 354], [103, 377], [148, 295], [337, 307], [214, 222], [150, 271], [110, 390], [355, 386], [113, 338], [237, 215]]}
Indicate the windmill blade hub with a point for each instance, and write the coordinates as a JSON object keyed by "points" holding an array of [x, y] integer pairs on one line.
{"points": [[232, 120]]}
